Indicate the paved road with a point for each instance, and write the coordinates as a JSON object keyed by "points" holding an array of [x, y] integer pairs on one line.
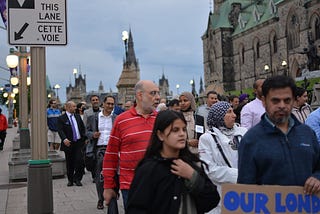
{"points": [[66, 200]]}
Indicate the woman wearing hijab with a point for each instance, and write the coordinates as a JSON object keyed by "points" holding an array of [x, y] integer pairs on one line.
{"points": [[195, 123], [218, 147]]}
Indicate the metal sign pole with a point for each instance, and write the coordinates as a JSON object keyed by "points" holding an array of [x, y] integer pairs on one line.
{"points": [[40, 194]]}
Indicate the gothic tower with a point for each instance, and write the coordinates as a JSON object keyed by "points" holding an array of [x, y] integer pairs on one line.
{"points": [[130, 72]]}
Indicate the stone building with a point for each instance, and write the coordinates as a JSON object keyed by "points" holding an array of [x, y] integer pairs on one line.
{"points": [[130, 73], [77, 93], [164, 88], [249, 39]]}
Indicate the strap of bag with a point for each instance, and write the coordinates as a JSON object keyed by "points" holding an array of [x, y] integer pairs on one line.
{"points": [[221, 151]]}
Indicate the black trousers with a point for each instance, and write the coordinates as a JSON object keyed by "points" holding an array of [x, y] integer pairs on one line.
{"points": [[3, 135], [98, 176], [74, 162]]}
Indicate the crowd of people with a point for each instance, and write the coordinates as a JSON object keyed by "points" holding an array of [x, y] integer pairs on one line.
{"points": [[173, 156]]}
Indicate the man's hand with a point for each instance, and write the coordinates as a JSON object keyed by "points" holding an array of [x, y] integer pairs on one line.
{"points": [[182, 169], [96, 135], [312, 186], [67, 142], [193, 142], [108, 194]]}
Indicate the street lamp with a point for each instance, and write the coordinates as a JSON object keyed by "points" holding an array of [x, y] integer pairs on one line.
{"points": [[75, 71], [125, 37], [177, 87], [266, 67], [12, 61], [284, 66], [57, 87]]}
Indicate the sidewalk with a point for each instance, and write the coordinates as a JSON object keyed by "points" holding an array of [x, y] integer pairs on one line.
{"points": [[66, 200]]}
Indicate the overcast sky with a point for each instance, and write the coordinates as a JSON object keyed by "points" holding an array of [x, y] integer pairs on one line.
{"points": [[166, 34]]}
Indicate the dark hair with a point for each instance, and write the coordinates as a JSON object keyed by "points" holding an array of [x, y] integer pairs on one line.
{"points": [[109, 96], [164, 119], [0, 110], [299, 92], [173, 102], [94, 95], [278, 82], [232, 97], [211, 92]]}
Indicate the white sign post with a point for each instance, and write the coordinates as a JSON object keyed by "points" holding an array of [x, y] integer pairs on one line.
{"points": [[37, 22]]}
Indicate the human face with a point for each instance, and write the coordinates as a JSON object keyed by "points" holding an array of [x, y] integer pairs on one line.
{"points": [[184, 103], [71, 107], [150, 97], [258, 90], [278, 104], [303, 99], [127, 105], [108, 106], [229, 118], [174, 139], [54, 104], [95, 102], [212, 99], [235, 102], [175, 107]]}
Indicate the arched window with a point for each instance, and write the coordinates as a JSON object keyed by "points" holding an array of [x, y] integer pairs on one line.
{"points": [[293, 30], [241, 54], [275, 45]]}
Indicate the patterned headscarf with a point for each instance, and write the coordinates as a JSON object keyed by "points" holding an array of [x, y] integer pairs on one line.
{"points": [[190, 98], [217, 113]]}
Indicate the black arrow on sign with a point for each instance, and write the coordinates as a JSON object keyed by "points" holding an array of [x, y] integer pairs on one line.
{"points": [[18, 36]]}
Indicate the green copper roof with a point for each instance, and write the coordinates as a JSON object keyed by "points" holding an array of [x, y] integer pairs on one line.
{"points": [[253, 13]]}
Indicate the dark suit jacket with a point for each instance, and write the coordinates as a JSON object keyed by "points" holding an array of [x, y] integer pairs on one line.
{"points": [[92, 126], [65, 131]]}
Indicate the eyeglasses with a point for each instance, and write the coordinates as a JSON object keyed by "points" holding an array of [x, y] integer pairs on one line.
{"points": [[154, 93], [110, 104]]}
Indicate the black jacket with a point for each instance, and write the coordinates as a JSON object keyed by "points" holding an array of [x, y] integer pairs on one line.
{"points": [[65, 131], [155, 189]]}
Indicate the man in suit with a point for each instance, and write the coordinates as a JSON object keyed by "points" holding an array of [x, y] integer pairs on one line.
{"points": [[99, 127], [72, 133]]}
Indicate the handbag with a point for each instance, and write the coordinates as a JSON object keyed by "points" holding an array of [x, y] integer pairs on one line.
{"points": [[221, 151], [90, 156], [90, 153]]}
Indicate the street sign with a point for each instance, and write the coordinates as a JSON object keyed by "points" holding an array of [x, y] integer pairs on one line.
{"points": [[37, 22]]}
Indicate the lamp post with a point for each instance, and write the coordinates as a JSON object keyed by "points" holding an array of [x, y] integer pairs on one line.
{"points": [[57, 87], [284, 66], [21, 57], [177, 87], [125, 37], [12, 62], [75, 71]]}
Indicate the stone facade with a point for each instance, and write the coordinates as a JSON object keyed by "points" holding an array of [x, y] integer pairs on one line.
{"points": [[130, 73], [164, 88], [77, 93], [250, 39]]}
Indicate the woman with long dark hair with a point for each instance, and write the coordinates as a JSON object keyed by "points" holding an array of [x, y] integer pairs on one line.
{"points": [[171, 179]]}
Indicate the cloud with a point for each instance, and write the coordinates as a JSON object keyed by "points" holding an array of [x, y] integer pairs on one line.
{"points": [[166, 34]]}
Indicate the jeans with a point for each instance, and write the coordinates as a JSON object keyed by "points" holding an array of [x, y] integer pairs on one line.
{"points": [[125, 193]]}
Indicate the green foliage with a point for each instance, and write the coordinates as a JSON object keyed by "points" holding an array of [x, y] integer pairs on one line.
{"points": [[249, 91], [244, 91]]}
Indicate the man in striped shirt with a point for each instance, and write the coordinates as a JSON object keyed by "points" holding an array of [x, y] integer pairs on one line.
{"points": [[129, 140]]}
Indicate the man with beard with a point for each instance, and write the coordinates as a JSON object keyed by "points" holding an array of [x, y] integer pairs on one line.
{"points": [[280, 150]]}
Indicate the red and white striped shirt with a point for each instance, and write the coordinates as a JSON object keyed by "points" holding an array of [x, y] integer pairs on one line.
{"points": [[127, 144]]}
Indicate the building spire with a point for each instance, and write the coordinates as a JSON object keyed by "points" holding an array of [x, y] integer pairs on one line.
{"points": [[131, 56]]}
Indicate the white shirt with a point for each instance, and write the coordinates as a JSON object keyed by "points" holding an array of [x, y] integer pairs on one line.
{"points": [[251, 113], [74, 123], [104, 126]]}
